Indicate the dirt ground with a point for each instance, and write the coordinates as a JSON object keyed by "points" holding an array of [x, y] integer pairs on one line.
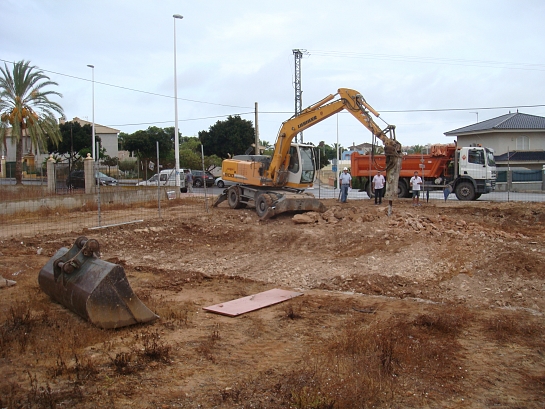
{"points": [[435, 306]]}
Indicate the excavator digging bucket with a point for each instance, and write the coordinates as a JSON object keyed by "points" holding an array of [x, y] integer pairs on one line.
{"points": [[294, 202], [92, 288]]}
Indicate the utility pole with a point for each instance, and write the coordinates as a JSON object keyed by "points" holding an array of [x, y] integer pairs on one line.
{"points": [[257, 144], [298, 54]]}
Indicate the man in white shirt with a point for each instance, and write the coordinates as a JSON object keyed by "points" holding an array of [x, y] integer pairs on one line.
{"points": [[415, 182], [345, 180], [378, 187]]}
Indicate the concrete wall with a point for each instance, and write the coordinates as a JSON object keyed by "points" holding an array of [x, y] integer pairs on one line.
{"points": [[519, 187], [76, 201]]}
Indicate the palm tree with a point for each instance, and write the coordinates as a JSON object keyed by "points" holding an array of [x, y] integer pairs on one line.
{"points": [[26, 108]]}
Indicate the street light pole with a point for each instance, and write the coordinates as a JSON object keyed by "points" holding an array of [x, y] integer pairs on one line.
{"points": [[176, 137], [93, 138]]}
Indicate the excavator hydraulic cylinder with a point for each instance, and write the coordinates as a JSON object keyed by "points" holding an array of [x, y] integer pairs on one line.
{"points": [[92, 288]]}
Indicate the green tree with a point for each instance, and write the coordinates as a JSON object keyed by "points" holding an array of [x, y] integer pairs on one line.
{"points": [[26, 108], [129, 166], [322, 155], [266, 144], [190, 159], [143, 143], [329, 150], [416, 149], [76, 141], [109, 161], [190, 155], [191, 143], [212, 161], [230, 137], [121, 140]]}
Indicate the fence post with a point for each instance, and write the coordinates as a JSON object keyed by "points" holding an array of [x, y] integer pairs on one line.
{"points": [[89, 172], [509, 180], [51, 175], [3, 167], [543, 178]]}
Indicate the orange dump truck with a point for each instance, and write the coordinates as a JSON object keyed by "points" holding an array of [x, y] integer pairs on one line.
{"points": [[470, 171]]}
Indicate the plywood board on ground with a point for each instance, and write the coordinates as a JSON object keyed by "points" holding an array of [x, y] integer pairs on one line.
{"points": [[252, 302]]}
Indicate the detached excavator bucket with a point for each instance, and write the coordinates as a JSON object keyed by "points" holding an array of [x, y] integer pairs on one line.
{"points": [[92, 288]]}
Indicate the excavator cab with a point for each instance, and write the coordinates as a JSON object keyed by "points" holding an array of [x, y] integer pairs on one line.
{"points": [[302, 166]]}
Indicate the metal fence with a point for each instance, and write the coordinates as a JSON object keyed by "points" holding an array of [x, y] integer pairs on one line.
{"points": [[511, 186], [33, 209]]}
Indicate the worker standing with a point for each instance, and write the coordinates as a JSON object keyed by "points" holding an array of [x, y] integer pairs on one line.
{"points": [[378, 187], [415, 182], [346, 182], [189, 180], [447, 191]]}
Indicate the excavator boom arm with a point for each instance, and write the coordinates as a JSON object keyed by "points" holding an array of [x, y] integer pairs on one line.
{"points": [[348, 99]]}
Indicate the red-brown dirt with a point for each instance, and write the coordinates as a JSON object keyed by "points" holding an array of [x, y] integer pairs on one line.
{"points": [[436, 306]]}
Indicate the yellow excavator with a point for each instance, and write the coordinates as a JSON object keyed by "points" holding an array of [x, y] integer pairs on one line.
{"points": [[276, 183]]}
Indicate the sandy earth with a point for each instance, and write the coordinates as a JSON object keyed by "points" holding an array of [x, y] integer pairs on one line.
{"points": [[435, 306]]}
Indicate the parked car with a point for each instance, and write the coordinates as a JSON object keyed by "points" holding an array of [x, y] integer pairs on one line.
{"points": [[222, 183], [167, 177], [199, 177], [76, 179]]}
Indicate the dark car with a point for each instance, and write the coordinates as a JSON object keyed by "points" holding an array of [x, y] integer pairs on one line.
{"points": [[76, 179], [199, 177]]}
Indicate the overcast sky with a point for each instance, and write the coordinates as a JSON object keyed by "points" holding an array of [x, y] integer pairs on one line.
{"points": [[427, 66]]}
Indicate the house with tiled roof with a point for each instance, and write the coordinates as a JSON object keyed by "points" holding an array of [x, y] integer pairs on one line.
{"points": [[517, 139], [108, 136], [33, 157]]}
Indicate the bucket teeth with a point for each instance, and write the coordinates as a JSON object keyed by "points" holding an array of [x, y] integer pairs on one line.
{"points": [[92, 288]]}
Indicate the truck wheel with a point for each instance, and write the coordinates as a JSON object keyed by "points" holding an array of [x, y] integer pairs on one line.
{"points": [[262, 204], [233, 198], [402, 189], [465, 191]]}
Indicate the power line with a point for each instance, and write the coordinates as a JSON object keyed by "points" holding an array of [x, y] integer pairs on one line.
{"points": [[324, 53], [433, 60], [462, 109], [182, 120], [343, 112], [135, 90]]}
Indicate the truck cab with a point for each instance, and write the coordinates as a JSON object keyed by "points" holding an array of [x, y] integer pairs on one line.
{"points": [[476, 172]]}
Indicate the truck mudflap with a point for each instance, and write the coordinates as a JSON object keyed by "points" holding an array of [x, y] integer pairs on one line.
{"points": [[92, 288], [270, 204]]}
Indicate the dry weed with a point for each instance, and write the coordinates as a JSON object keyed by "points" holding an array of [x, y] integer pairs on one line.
{"points": [[516, 327], [154, 349], [293, 310], [367, 365]]}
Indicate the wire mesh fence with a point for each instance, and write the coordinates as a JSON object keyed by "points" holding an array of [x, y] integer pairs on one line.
{"points": [[511, 186], [32, 208]]}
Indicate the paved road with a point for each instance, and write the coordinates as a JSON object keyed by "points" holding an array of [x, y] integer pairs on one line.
{"points": [[327, 192]]}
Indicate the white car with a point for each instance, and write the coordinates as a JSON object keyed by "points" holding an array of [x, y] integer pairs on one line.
{"points": [[222, 183], [167, 177]]}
